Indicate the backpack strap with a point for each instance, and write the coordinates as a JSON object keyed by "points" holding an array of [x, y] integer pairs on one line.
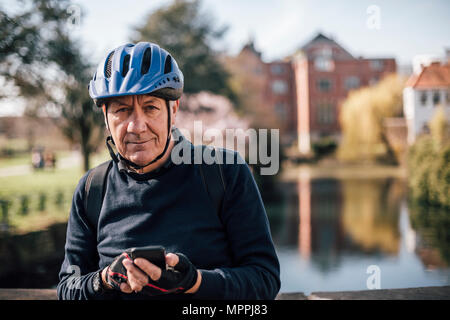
{"points": [[94, 191], [213, 180]]}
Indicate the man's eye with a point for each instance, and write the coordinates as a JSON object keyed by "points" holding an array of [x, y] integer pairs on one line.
{"points": [[150, 108], [121, 110]]}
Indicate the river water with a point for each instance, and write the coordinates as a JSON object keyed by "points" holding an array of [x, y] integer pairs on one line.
{"points": [[339, 234]]}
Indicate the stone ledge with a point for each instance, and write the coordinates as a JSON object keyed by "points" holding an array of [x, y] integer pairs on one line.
{"points": [[423, 293], [28, 294]]}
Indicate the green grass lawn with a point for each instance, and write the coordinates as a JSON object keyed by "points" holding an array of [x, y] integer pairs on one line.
{"points": [[41, 198], [16, 161]]}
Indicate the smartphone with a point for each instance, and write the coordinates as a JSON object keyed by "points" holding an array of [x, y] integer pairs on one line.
{"points": [[154, 254]]}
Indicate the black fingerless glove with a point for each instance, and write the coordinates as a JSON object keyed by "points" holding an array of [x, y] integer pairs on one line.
{"points": [[178, 279], [116, 272]]}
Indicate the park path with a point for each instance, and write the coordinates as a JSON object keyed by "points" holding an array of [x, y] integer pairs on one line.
{"points": [[63, 163]]}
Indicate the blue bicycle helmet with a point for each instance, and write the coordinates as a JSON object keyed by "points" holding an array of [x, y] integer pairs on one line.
{"points": [[142, 68]]}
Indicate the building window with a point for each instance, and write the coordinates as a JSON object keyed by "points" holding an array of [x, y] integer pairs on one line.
{"points": [[324, 51], [436, 98], [351, 83], [277, 69], [325, 113], [376, 64], [425, 128], [324, 64], [324, 85], [279, 87], [258, 70], [447, 97], [423, 98], [281, 110]]}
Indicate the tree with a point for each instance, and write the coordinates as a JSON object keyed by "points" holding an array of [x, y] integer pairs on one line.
{"points": [[39, 58], [187, 34], [362, 115], [248, 81], [440, 127], [429, 164]]}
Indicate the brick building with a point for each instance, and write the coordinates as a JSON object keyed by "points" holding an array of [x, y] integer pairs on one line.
{"points": [[304, 92], [324, 74]]}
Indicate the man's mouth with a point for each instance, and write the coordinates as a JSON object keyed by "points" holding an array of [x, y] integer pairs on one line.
{"points": [[139, 142]]}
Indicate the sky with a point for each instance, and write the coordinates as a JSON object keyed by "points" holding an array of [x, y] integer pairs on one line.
{"points": [[279, 27], [370, 28]]}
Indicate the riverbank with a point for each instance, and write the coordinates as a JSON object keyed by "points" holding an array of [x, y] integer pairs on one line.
{"points": [[423, 293], [336, 170], [29, 194]]}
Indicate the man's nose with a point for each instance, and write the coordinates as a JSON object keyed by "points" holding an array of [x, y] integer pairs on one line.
{"points": [[137, 123]]}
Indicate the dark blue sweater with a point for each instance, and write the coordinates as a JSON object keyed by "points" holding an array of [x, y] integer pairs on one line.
{"points": [[170, 207]]}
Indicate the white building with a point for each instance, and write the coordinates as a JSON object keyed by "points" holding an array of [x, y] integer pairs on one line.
{"points": [[424, 91]]}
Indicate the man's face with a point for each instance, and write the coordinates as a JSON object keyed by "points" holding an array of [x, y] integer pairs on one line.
{"points": [[138, 126]]}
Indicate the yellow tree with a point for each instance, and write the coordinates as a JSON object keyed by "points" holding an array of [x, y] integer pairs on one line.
{"points": [[362, 115], [439, 127]]}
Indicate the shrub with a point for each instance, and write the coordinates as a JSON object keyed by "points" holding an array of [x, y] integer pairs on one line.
{"points": [[42, 201], [24, 204], [429, 172], [323, 147]]}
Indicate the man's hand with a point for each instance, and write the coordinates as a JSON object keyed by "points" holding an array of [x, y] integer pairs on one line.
{"points": [[142, 275]]}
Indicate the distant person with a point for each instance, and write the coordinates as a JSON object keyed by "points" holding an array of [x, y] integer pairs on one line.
{"points": [[37, 158], [53, 160], [50, 160], [213, 252]]}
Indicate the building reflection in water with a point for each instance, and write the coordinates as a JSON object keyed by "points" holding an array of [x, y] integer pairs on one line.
{"points": [[304, 196], [347, 216]]}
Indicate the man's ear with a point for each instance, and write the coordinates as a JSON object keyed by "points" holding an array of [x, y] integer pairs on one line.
{"points": [[175, 106]]}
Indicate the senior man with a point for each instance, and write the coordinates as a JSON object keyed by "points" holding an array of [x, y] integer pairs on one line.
{"points": [[214, 250]]}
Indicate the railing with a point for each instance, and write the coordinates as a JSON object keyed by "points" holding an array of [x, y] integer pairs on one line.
{"points": [[424, 293]]}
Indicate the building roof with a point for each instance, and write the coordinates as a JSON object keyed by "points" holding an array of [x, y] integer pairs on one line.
{"points": [[322, 39], [435, 75], [250, 46]]}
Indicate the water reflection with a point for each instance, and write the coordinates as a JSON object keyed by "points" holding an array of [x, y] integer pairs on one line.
{"points": [[32, 260], [370, 214], [433, 227], [328, 231]]}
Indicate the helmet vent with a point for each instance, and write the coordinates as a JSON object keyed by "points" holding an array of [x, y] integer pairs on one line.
{"points": [[146, 60], [168, 64], [109, 65], [125, 65]]}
